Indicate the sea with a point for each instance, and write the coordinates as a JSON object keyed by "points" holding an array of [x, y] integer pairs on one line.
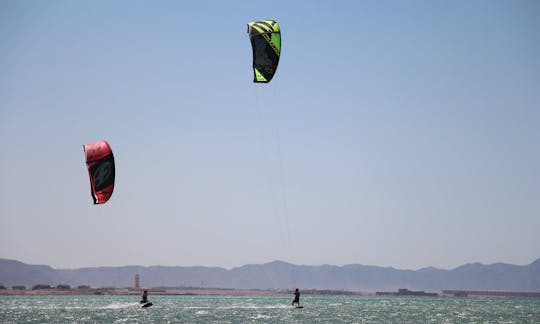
{"points": [[276, 309]]}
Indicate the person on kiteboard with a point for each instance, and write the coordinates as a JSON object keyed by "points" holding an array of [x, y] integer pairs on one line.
{"points": [[144, 297], [296, 298]]}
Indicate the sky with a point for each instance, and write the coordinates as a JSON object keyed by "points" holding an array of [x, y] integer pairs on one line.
{"points": [[394, 133]]}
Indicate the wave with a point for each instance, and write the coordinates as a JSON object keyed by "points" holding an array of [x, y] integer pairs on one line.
{"points": [[118, 305]]}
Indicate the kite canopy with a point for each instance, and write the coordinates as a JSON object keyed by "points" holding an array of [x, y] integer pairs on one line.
{"points": [[265, 39], [100, 162]]}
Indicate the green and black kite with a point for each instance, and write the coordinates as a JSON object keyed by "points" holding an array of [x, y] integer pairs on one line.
{"points": [[265, 39]]}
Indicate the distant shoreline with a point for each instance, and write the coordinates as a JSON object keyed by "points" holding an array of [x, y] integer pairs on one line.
{"points": [[175, 291], [121, 291], [178, 291], [256, 292]]}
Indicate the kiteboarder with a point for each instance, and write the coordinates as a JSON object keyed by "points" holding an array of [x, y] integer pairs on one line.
{"points": [[144, 297], [296, 298]]}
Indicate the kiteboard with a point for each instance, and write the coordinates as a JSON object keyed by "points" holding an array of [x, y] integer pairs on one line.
{"points": [[299, 306], [145, 305]]}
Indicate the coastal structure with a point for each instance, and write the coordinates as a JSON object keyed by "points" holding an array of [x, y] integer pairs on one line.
{"points": [[406, 292], [490, 293], [137, 282]]}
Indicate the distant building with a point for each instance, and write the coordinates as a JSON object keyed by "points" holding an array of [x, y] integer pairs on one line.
{"points": [[137, 278], [406, 292], [107, 288], [18, 287], [488, 293], [63, 287], [41, 286]]}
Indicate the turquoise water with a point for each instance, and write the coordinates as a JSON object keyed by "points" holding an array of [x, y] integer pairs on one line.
{"points": [[219, 309]]}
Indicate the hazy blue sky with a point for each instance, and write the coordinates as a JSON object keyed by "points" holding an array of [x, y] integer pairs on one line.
{"points": [[394, 133]]}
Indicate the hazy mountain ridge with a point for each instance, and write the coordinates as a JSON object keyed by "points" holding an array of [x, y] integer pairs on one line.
{"points": [[278, 274]]}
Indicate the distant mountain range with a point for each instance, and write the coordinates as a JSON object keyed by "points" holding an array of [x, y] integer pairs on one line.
{"points": [[282, 275]]}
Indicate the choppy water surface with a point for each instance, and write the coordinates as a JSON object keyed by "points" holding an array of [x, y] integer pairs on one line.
{"points": [[219, 309]]}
